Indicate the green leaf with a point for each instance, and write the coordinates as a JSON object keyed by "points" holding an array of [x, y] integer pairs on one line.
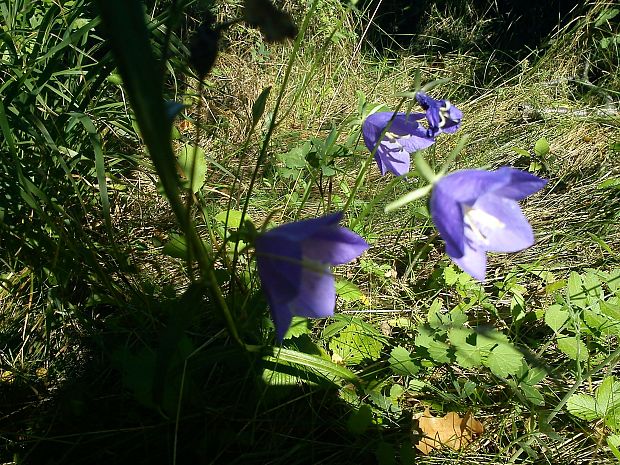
{"points": [[296, 157], [193, 163], [608, 395], [504, 360], [234, 218], [349, 292], [612, 183], [326, 368], [355, 344], [582, 406], [556, 317], [541, 148], [532, 394], [360, 420], [613, 441], [576, 294], [467, 354], [176, 247], [401, 362], [573, 347], [299, 325], [258, 108], [523, 153]]}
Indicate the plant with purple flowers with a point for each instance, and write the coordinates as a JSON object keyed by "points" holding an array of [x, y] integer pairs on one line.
{"points": [[404, 135], [441, 115], [397, 135], [293, 263], [476, 211]]}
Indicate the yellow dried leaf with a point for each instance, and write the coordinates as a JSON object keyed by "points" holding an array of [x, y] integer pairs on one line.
{"points": [[450, 430]]}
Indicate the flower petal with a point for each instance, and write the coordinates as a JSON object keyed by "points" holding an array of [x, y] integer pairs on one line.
{"points": [[334, 246], [279, 264], [282, 318], [467, 185], [441, 115], [520, 184], [448, 219], [317, 295], [506, 229], [473, 262], [391, 157], [300, 230]]}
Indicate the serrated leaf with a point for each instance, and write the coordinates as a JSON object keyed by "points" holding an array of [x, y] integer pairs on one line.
{"points": [[608, 395], [600, 323], [176, 247], [573, 347], [349, 292], [296, 157], [467, 354], [401, 362], [582, 406], [541, 148], [504, 360], [450, 275], [193, 163], [439, 351], [556, 317], [353, 345]]}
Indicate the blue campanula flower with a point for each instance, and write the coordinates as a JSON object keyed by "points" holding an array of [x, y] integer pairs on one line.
{"points": [[404, 136], [293, 263], [441, 115], [476, 211]]}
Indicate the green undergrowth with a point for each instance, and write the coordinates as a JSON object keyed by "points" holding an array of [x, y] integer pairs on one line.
{"points": [[113, 345]]}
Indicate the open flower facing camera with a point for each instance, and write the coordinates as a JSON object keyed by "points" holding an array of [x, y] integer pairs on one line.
{"points": [[476, 211], [293, 263]]}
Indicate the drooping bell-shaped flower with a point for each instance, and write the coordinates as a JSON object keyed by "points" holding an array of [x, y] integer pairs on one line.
{"points": [[293, 263], [476, 211], [441, 115], [403, 137]]}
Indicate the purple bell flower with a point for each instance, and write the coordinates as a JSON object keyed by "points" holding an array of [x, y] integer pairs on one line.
{"points": [[476, 211], [441, 115], [404, 136], [293, 263]]}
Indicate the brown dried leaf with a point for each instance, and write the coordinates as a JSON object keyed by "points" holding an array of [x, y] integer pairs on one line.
{"points": [[450, 430]]}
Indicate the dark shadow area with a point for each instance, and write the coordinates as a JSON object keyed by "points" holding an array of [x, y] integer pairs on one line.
{"points": [[507, 30], [141, 391]]}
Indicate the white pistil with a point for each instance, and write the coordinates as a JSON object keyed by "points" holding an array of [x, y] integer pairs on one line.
{"points": [[479, 220]]}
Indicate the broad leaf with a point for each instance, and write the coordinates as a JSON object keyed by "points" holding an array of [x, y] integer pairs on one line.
{"points": [[582, 406]]}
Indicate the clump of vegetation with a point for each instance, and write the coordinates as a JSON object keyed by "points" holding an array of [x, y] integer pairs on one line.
{"points": [[170, 182]]}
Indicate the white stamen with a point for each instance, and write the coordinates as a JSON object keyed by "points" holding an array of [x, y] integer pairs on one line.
{"points": [[479, 220], [393, 138]]}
